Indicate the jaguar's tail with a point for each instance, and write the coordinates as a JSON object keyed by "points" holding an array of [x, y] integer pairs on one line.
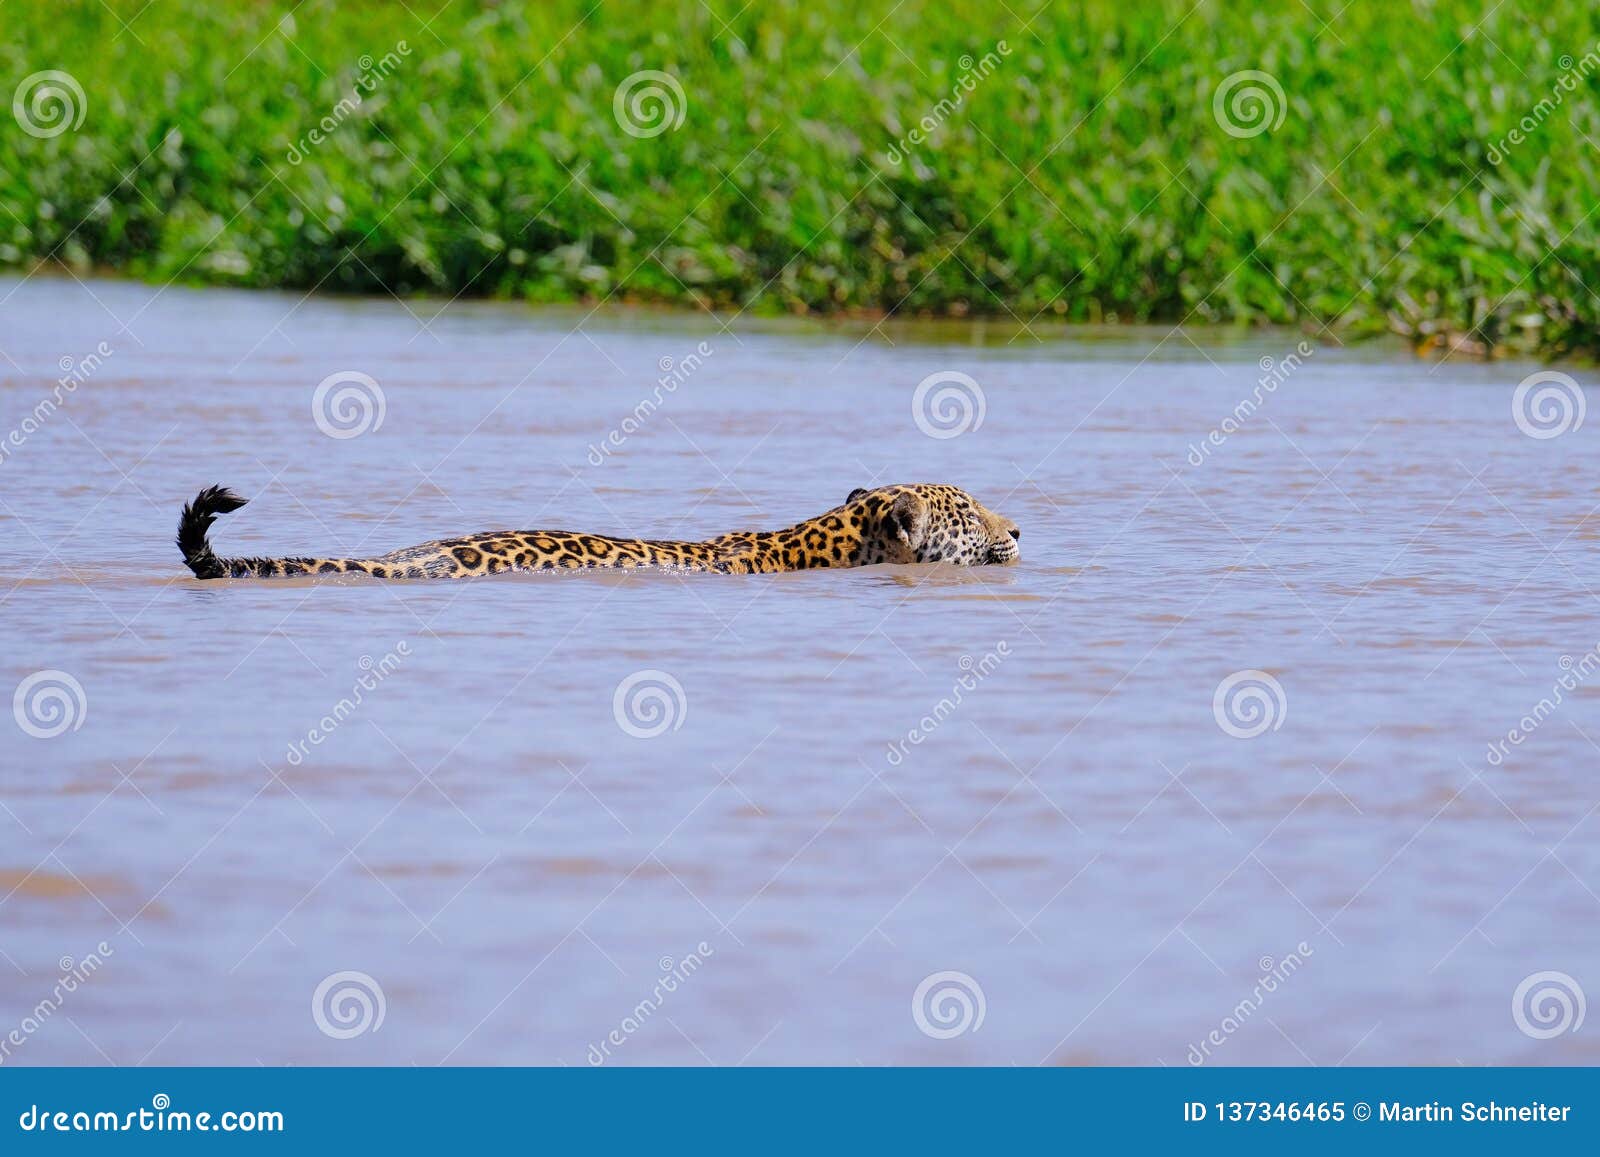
{"points": [[193, 524], [196, 520]]}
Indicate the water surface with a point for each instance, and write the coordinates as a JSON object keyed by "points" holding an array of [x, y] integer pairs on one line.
{"points": [[862, 779]]}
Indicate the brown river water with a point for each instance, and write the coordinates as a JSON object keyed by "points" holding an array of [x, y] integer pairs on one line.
{"points": [[1278, 745]]}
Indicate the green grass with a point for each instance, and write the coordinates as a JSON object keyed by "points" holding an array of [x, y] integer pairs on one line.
{"points": [[1086, 178]]}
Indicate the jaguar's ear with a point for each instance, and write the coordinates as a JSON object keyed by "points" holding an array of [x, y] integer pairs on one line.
{"points": [[858, 492], [907, 519]]}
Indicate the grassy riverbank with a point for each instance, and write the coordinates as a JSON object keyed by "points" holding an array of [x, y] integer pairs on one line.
{"points": [[1079, 166]]}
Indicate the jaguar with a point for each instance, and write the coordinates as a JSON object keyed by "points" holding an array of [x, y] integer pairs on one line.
{"points": [[923, 522]]}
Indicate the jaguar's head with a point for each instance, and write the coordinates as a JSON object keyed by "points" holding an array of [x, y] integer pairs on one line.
{"points": [[930, 522]]}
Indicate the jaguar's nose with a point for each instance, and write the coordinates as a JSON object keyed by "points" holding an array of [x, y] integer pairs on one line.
{"points": [[1016, 534]]}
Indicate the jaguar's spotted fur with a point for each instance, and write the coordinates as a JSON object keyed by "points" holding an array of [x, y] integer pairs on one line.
{"points": [[925, 522]]}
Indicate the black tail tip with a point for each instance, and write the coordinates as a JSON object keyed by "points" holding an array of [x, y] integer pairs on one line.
{"points": [[195, 520], [215, 500]]}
